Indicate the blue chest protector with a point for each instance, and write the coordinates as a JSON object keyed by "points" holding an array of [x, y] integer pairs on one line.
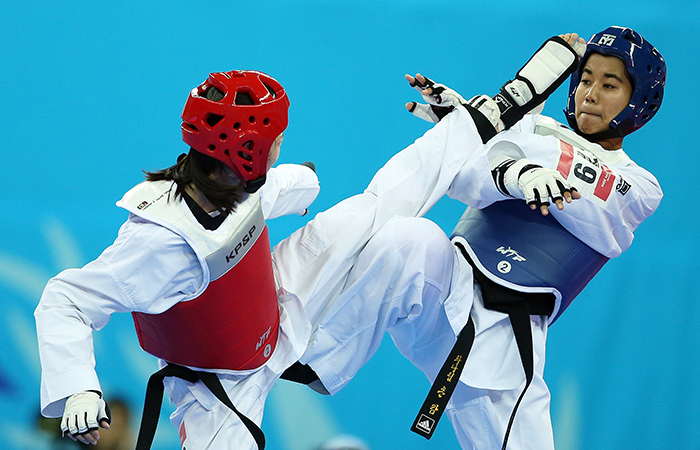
{"points": [[525, 251]]}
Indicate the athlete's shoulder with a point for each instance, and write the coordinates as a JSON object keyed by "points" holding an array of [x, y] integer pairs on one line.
{"points": [[138, 235]]}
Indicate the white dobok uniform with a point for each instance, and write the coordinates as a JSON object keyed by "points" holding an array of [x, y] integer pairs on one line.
{"points": [[412, 282], [357, 273]]}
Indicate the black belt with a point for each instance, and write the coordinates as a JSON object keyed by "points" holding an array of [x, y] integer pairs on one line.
{"points": [[154, 400], [519, 306]]}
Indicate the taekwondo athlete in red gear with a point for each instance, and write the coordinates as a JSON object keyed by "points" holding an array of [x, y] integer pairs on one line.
{"points": [[241, 294], [426, 289], [192, 263]]}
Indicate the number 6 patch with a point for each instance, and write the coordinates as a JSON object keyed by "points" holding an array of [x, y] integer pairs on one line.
{"points": [[583, 170]]}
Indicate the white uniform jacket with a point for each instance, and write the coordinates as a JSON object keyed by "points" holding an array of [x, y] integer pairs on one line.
{"points": [[149, 268], [617, 195]]}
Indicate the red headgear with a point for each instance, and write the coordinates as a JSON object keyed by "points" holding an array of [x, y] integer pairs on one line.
{"points": [[239, 129]]}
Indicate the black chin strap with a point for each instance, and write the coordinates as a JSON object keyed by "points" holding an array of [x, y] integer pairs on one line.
{"points": [[610, 133]]}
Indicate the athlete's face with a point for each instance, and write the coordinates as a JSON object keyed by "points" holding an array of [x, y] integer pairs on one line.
{"points": [[604, 91]]}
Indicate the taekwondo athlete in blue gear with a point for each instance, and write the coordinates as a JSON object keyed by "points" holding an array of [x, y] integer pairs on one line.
{"points": [[524, 261], [411, 280], [647, 71]]}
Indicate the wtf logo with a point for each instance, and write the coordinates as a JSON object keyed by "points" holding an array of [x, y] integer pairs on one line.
{"points": [[505, 266], [607, 40]]}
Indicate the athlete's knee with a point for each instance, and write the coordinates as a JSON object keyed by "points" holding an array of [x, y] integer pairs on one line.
{"points": [[415, 232], [419, 247]]}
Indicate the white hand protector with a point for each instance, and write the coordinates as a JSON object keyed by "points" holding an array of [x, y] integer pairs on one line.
{"points": [[441, 101], [441, 95], [535, 184], [428, 112], [83, 413]]}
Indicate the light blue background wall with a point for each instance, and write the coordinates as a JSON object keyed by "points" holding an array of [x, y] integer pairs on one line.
{"points": [[92, 92]]}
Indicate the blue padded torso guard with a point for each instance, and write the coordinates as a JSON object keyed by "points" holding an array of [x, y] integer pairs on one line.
{"points": [[523, 250]]}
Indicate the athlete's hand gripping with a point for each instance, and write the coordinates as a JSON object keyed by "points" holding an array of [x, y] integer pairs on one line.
{"points": [[441, 99], [84, 413], [536, 185]]}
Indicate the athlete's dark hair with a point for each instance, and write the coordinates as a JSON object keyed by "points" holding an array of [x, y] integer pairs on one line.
{"points": [[195, 168]]}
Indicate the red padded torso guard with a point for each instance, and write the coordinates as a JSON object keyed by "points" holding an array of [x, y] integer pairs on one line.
{"points": [[233, 325]]}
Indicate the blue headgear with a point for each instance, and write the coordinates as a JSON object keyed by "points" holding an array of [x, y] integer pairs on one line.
{"points": [[646, 68]]}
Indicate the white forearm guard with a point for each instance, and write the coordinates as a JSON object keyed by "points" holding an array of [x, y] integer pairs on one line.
{"points": [[548, 68]]}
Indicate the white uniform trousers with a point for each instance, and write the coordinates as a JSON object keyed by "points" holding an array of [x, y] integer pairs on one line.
{"points": [[406, 281]]}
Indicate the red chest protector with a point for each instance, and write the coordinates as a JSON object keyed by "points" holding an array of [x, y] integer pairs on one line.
{"points": [[233, 324]]}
